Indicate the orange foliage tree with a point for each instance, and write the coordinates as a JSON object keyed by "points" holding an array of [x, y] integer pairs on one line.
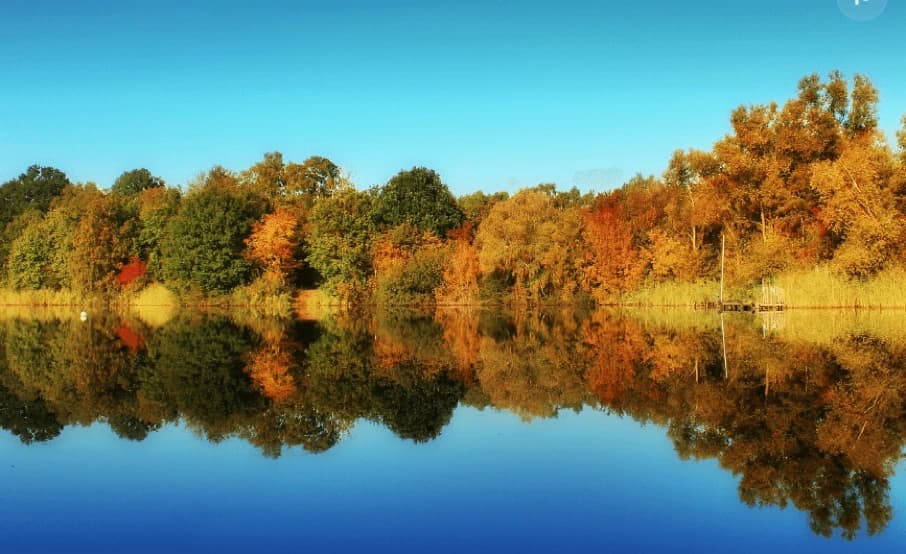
{"points": [[274, 242], [614, 263]]}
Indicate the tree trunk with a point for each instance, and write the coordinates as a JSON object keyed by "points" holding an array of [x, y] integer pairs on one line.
{"points": [[764, 234]]}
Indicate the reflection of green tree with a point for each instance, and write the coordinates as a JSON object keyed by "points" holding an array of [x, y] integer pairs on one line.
{"points": [[130, 427], [79, 370], [293, 425], [30, 420], [32, 354], [413, 396], [419, 411], [198, 370]]}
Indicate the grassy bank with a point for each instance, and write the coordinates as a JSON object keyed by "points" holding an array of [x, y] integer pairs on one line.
{"points": [[672, 294], [817, 288], [823, 288]]}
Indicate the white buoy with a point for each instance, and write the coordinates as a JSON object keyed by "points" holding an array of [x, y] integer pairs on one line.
{"points": [[83, 316]]}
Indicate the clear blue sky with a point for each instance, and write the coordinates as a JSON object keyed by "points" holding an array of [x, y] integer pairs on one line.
{"points": [[494, 95]]}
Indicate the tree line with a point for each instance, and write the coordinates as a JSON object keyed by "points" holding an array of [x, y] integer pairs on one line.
{"points": [[811, 182]]}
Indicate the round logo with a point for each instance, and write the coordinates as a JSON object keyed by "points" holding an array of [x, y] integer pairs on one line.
{"points": [[862, 10]]}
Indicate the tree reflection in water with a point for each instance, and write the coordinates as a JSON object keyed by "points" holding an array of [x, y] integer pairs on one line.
{"points": [[803, 417]]}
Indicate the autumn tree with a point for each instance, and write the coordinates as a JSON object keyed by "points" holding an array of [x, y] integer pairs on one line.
{"points": [[692, 210], [274, 243], [614, 264], [408, 266], [901, 142], [101, 243], [42, 256], [461, 273], [859, 205], [532, 244]]}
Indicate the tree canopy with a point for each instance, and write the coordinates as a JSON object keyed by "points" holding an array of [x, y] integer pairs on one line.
{"points": [[418, 197]]}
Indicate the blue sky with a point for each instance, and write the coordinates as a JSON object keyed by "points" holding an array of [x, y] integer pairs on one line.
{"points": [[493, 95]]}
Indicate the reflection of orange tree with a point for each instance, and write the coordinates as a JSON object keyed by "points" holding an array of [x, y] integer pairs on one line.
{"points": [[460, 329], [616, 348], [270, 369], [787, 419], [530, 367]]}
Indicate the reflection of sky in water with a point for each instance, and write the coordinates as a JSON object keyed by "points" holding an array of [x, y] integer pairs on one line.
{"points": [[490, 482]]}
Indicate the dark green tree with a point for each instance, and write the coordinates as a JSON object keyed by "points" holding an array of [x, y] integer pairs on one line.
{"points": [[31, 191], [135, 181], [29, 419], [157, 207], [418, 197], [342, 231], [34, 189], [198, 368], [204, 242]]}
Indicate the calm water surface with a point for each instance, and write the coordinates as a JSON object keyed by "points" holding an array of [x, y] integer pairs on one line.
{"points": [[488, 431]]}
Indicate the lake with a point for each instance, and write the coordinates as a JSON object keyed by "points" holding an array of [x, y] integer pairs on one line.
{"points": [[552, 430]]}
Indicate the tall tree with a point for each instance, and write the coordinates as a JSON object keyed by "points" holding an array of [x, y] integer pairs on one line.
{"points": [[204, 242], [342, 230], [532, 244]]}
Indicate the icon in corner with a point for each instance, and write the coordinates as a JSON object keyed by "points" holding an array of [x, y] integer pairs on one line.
{"points": [[862, 10]]}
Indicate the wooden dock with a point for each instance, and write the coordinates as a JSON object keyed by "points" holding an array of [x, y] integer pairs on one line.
{"points": [[738, 306]]}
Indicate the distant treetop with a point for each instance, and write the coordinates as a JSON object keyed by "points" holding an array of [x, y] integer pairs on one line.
{"points": [[135, 181]]}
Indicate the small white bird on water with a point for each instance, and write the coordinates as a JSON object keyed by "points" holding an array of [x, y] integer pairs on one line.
{"points": [[83, 316]]}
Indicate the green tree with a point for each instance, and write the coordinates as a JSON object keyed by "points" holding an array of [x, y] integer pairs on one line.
{"points": [[30, 191], [418, 197], [204, 242], [342, 230], [475, 206], [316, 177], [33, 189], [157, 207], [267, 176], [38, 257], [135, 181], [198, 369]]}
